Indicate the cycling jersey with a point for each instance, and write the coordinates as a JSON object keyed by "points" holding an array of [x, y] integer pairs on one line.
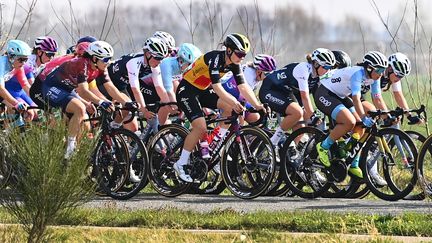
{"points": [[170, 71], [294, 77], [54, 63], [73, 72], [31, 69], [14, 77], [384, 81], [209, 68], [348, 81], [129, 69]]}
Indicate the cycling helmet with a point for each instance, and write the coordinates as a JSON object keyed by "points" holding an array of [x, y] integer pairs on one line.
{"points": [[18, 48], [264, 63], [166, 38], [324, 57], [100, 49], [342, 59], [87, 38], [238, 42], [400, 64], [80, 48], [70, 50], [156, 47], [375, 59], [46, 43], [189, 52]]}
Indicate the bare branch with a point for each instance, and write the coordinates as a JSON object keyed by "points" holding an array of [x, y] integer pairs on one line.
{"points": [[105, 19], [112, 19]]}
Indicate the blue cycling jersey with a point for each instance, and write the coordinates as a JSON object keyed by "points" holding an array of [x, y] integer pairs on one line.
{"points": [[170, 71]]}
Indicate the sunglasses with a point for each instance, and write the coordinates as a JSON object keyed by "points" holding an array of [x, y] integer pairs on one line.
{"points": [[327, 67], [106, 59], [240, 54], [398, 75], [50, 54], [158, 58], [379, 70], [21, 59]]}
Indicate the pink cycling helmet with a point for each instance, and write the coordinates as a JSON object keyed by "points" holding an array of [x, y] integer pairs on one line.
{"points": [[46, 43], [264, 63]]}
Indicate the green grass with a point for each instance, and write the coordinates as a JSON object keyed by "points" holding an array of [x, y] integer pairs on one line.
{"points": [[409, 224], [68, 234]]}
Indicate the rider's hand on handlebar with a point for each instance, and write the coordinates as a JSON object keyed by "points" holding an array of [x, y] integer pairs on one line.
{"points": [[20, 106], [367, 121], [147, 114], [414, 120], [90, 108], [107, 105], [237, 107]]}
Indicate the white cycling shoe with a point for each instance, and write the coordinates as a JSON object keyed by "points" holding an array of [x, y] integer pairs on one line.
{"points": [[379, 181], [181, 173], [132, 176]]}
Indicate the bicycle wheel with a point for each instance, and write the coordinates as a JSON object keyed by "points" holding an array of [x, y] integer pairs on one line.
{"points": [[111, 163], [214, 185], [305, 175], [417, 193], [248, 163], [165, 150], [424, 166], [5, 169], [138, 160], [395, 164]]}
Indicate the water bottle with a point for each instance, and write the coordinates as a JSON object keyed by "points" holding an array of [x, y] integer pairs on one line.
{"points": [[205, 153], [341, 144], [352, 141]]}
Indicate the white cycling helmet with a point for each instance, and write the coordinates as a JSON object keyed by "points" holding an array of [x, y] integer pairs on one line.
{"points": [[156, 47], [324, 57], [375, 59], [400, 64], [166, 38], [100, 49]]}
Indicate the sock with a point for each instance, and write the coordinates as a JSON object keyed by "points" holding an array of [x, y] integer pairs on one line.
{"points": [[115, 124], [184, 157], [327, 143], [277, 136], [355, 162]]}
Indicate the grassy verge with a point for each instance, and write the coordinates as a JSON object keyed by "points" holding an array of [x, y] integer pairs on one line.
{"points": [[409, 224], [69, 234]]}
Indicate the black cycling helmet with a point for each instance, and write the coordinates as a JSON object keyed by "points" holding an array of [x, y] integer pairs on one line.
{"points": [[342, 59]]}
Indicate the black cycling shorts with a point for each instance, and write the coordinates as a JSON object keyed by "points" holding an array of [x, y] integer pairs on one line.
{"points": [[278, 99], [191, 100], [326, 101]]}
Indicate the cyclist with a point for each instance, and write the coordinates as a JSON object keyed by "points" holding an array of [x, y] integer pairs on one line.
{"points": [[36, 88], [287, 90], [58, 87], [332, 98], [172, 70], [168, 40], [12, 76], [399, 67], [44, 50], [254, 73], [342, 59], [200, 87], [127, 71]]}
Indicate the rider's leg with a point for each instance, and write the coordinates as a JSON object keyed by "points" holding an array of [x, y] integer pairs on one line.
{"points": [[78, 110]]}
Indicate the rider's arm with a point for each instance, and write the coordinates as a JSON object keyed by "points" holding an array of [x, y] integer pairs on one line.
{"points": [[84, 92], [7, 96], [133, 72], [376, 95], [22, 79], [356, 81], [399, 96], [301, 73], [167, 77], [248, 94], [158, 84]]}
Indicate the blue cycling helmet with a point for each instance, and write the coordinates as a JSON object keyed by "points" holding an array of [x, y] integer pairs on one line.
{"points": [[189, 52], [18, 48], [87, 38]]}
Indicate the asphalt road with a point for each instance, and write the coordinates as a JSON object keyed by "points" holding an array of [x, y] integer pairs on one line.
{"points": [[207, 203]]}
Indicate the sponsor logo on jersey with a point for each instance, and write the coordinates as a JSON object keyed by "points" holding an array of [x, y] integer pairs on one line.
{"points": [[185, 102], [281, 75], [336, 80], [324, 101], [273, 99]]}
